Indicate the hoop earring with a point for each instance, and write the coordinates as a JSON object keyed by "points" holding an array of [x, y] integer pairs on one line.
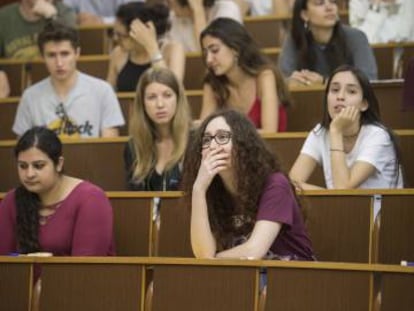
{"points": [[306, 25]]}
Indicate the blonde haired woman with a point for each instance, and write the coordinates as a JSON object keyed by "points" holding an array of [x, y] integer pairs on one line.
{"points": [[159, 128]]}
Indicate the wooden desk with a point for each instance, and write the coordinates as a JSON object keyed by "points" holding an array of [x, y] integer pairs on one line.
{"points": [[16, 284], [8, 108], [133, 226], [340, 225], [197, 287], [100, 160], [303, 116], [174, 230], [105, 283], [95, 39], [16, 73], [396, 228], [92, 286]]}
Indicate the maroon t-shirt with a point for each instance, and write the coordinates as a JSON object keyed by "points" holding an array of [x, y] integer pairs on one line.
{"points": [[81, 226], [277, 203]]}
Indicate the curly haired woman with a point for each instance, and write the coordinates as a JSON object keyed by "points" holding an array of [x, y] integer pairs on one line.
{"points": [[243, 205]]}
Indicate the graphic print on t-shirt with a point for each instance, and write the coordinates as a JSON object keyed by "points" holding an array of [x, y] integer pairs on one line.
{"points": [[23, 47], [65, 126]]}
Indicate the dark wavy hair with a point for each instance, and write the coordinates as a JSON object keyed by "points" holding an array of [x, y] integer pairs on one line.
{"points": [[157, 13], [251, 60], [369, 116], [28, 203], [336, 51], [253, 163]]}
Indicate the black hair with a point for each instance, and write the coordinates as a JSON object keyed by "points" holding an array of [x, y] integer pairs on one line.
{"points": [[370, 116], [250, 58], [57, 32], [28, 203], [252, 163], [158, 13], [336, 51]]}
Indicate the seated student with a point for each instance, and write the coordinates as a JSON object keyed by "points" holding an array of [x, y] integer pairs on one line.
{"points": [[159, 129], [190, 17], [50, 211], [319, 43], [71, 103], [90, 12], [240, 76], [242, 204], [140, 29], [383, 20], [21, 22], [4, 85], [354, 148]]}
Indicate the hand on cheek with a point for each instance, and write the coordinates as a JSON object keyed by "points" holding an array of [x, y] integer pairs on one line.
{"points": [[345, 118], [44, 8]]}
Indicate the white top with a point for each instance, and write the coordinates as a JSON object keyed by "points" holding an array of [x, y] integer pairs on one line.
{"points": [[260, 7], [90, 106], [182, 28], [391, 22], [373, 146]]}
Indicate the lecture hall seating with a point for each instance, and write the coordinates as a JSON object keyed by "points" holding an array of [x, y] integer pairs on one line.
{"points": [[304, 114], [341, 224], [189, 284], [85, 158], [24, 74]]}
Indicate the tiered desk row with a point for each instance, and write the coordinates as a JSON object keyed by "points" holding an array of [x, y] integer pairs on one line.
{"points": [[86, 158], [306, 110], [96, 284], [363, 226], [358, 256], [21, 73]]}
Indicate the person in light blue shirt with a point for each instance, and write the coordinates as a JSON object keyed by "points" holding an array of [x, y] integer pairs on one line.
{"points": [[96, 11]]}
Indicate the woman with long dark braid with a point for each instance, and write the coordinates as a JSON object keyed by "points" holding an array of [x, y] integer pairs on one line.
{"points": [[52, 212]]}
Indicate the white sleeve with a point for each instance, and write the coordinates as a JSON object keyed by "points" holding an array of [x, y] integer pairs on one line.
{"points": [[112, 113], [313, 146], [226, 8], [357, 10], [405, 27], [23, 120], [366, 20], [74, 4], [376, 149]]}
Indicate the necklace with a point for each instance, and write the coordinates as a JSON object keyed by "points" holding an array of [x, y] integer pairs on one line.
{"points": [[48, 211]]}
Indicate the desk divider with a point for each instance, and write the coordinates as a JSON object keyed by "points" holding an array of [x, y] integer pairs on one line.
{"points": [[116, 283]]}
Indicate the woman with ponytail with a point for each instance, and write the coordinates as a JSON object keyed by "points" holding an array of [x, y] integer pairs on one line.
{"points": [[52, 212]]}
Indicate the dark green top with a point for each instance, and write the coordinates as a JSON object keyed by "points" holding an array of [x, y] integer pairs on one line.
{"points": [[18, 37]]}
